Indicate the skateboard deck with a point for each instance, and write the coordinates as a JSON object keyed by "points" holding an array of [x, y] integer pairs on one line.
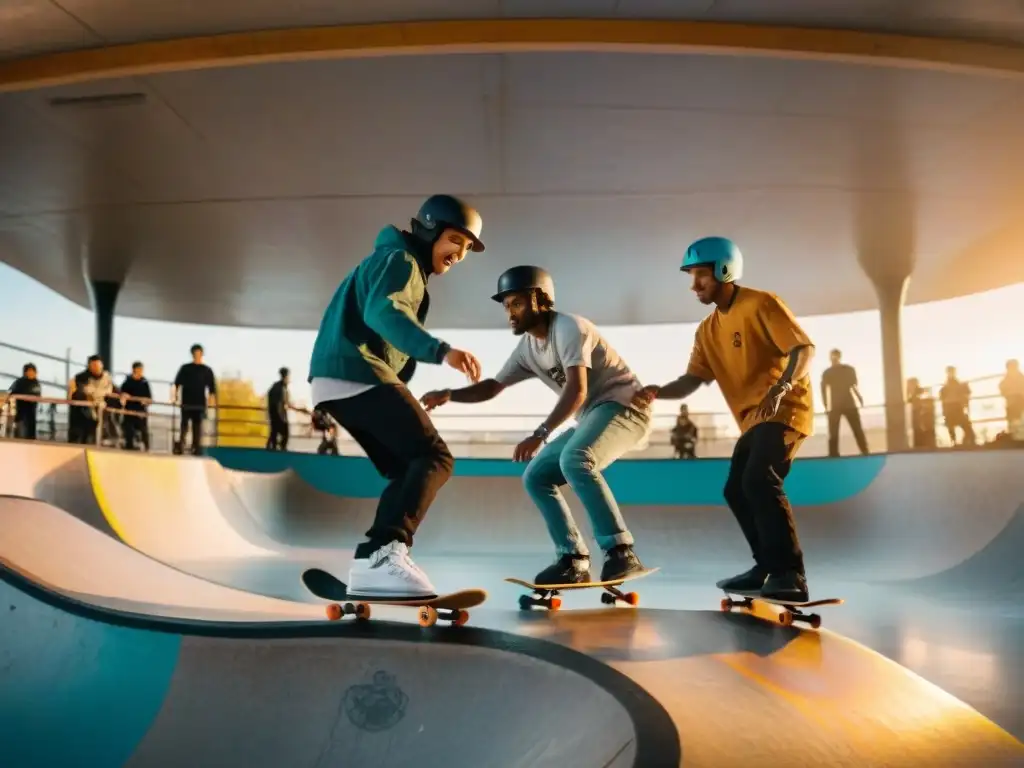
{"points": [[451, 607], [792, 609], [549, 592]]}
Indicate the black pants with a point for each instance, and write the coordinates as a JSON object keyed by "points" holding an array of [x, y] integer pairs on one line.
{"points": [[132, 427], [278, 440], [192, 415], [25, 426], [401, 441], [760, 462], [852, 416]]}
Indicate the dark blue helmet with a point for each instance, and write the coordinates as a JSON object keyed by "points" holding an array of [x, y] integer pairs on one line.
{"points": [[440, 212]]}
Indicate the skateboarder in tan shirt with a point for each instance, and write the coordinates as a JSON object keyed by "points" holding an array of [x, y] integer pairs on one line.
{"points": [[753, 347], [569, 354]]}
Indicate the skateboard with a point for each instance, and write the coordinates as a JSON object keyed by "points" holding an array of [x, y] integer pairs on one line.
{"points": [[791, 608], [450, 607], [549, 592]]}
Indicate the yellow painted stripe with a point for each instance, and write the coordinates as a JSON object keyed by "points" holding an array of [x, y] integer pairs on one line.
{"points": [[101, 499]]}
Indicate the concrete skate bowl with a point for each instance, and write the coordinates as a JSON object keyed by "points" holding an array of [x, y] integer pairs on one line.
{"points": [[54, 473], [881, 519], [138, 664], [170, 670], [186, 512]]}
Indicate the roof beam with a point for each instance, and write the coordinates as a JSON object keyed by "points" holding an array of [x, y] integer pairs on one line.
{"points": [[506, 36]]}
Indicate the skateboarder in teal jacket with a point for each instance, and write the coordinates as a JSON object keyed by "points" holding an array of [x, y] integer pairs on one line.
{"points": [[571, 356], [366, 350]]}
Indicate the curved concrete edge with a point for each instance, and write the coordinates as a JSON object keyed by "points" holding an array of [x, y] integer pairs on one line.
{"points": [[813, 480], [657, 740]]}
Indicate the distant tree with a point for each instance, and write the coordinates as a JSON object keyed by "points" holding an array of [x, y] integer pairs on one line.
{"points": [[242, 417]]}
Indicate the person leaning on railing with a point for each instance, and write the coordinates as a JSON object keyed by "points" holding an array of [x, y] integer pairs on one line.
{"points": [[25, 410], [93, 385]]}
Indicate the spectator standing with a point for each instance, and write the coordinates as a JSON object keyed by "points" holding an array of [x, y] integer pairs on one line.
{"points": [[194, 389], [1012, 390], [841, 395], [94, 386], [137, 423], [25, 410], [955, 396]]}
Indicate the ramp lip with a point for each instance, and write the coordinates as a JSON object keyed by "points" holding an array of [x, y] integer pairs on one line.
{"points": [[658, 743]]}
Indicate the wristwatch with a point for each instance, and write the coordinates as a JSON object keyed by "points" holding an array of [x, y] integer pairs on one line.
{"points": [[542, 432]]}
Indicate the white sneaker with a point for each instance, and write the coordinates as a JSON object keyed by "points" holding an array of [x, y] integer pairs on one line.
{"points": [[389, 572]]}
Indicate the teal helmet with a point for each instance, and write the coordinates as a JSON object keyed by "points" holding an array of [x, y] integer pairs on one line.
{"points": [[439, 212], [719, 253]]}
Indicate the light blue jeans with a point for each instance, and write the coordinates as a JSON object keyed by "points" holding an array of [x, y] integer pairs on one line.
{"points": [[577, 457]]}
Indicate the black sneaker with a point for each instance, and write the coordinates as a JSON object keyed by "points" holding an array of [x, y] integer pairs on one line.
{"points": [[789, 585], [751, 581], [620, 561], [568, 569]]}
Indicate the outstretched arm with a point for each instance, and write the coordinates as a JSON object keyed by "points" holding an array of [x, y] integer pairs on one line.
{"points": [[480, 392], [680, 388]]}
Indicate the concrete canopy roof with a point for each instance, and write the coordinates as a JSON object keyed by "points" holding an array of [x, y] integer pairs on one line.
{"points": [[237, 193]]}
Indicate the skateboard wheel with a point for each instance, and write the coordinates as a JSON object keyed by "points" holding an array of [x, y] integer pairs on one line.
{"points": [[785, 618], [349, 609], [815, 621], [461, 617], [525, 603], [428, 616], [726, 603], [632, 598], [362, 611], [556, 603], [334, 612], [607, 598]]}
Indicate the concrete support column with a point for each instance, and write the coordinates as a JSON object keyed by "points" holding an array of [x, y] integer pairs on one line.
{"points": [[891, 292], [104, 297]]}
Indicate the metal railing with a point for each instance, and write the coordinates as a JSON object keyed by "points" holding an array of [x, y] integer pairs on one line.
{"points": [[248, 425]]}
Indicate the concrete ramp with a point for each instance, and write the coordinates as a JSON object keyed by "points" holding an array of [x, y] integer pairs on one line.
{"points": [[295, 514], [53, 549], [120, 693], [185, 512]]}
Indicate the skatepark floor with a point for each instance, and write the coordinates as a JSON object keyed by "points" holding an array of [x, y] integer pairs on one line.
{"points": [[922, 665]]}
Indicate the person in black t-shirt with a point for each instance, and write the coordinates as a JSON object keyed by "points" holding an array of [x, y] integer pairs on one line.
{"points": [[136, 386], [838, 390], [278, 403], [25, 410], [194, 389]]}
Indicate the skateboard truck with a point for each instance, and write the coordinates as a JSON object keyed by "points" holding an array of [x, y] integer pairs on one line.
{"points": [[790, 611], [547, 595], [428, 615]]}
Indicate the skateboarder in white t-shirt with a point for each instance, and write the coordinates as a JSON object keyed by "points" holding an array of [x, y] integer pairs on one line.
{"points": [[569, 354]]}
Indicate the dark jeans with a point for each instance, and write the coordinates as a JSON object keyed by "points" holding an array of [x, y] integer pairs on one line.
{"points": [[25, 427], [132, 427], [401, 441], [278, 440], [852, 416], [760, 462], [192, 415]]}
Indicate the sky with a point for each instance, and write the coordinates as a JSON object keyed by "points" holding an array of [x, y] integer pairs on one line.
{"points": [[976, 333]]}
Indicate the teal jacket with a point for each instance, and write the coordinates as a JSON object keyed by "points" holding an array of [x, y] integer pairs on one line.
{"points": [[372, 331]]}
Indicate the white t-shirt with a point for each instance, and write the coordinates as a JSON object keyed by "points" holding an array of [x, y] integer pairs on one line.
{"points": [[572, 340], [321, 390]]}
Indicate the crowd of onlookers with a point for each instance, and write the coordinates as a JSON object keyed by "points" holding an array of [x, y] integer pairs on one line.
{"points": [[842, 400], [124, 409]]}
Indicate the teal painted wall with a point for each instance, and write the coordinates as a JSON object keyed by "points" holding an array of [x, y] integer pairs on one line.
{"points": [[76, 693], [634, 481]]}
